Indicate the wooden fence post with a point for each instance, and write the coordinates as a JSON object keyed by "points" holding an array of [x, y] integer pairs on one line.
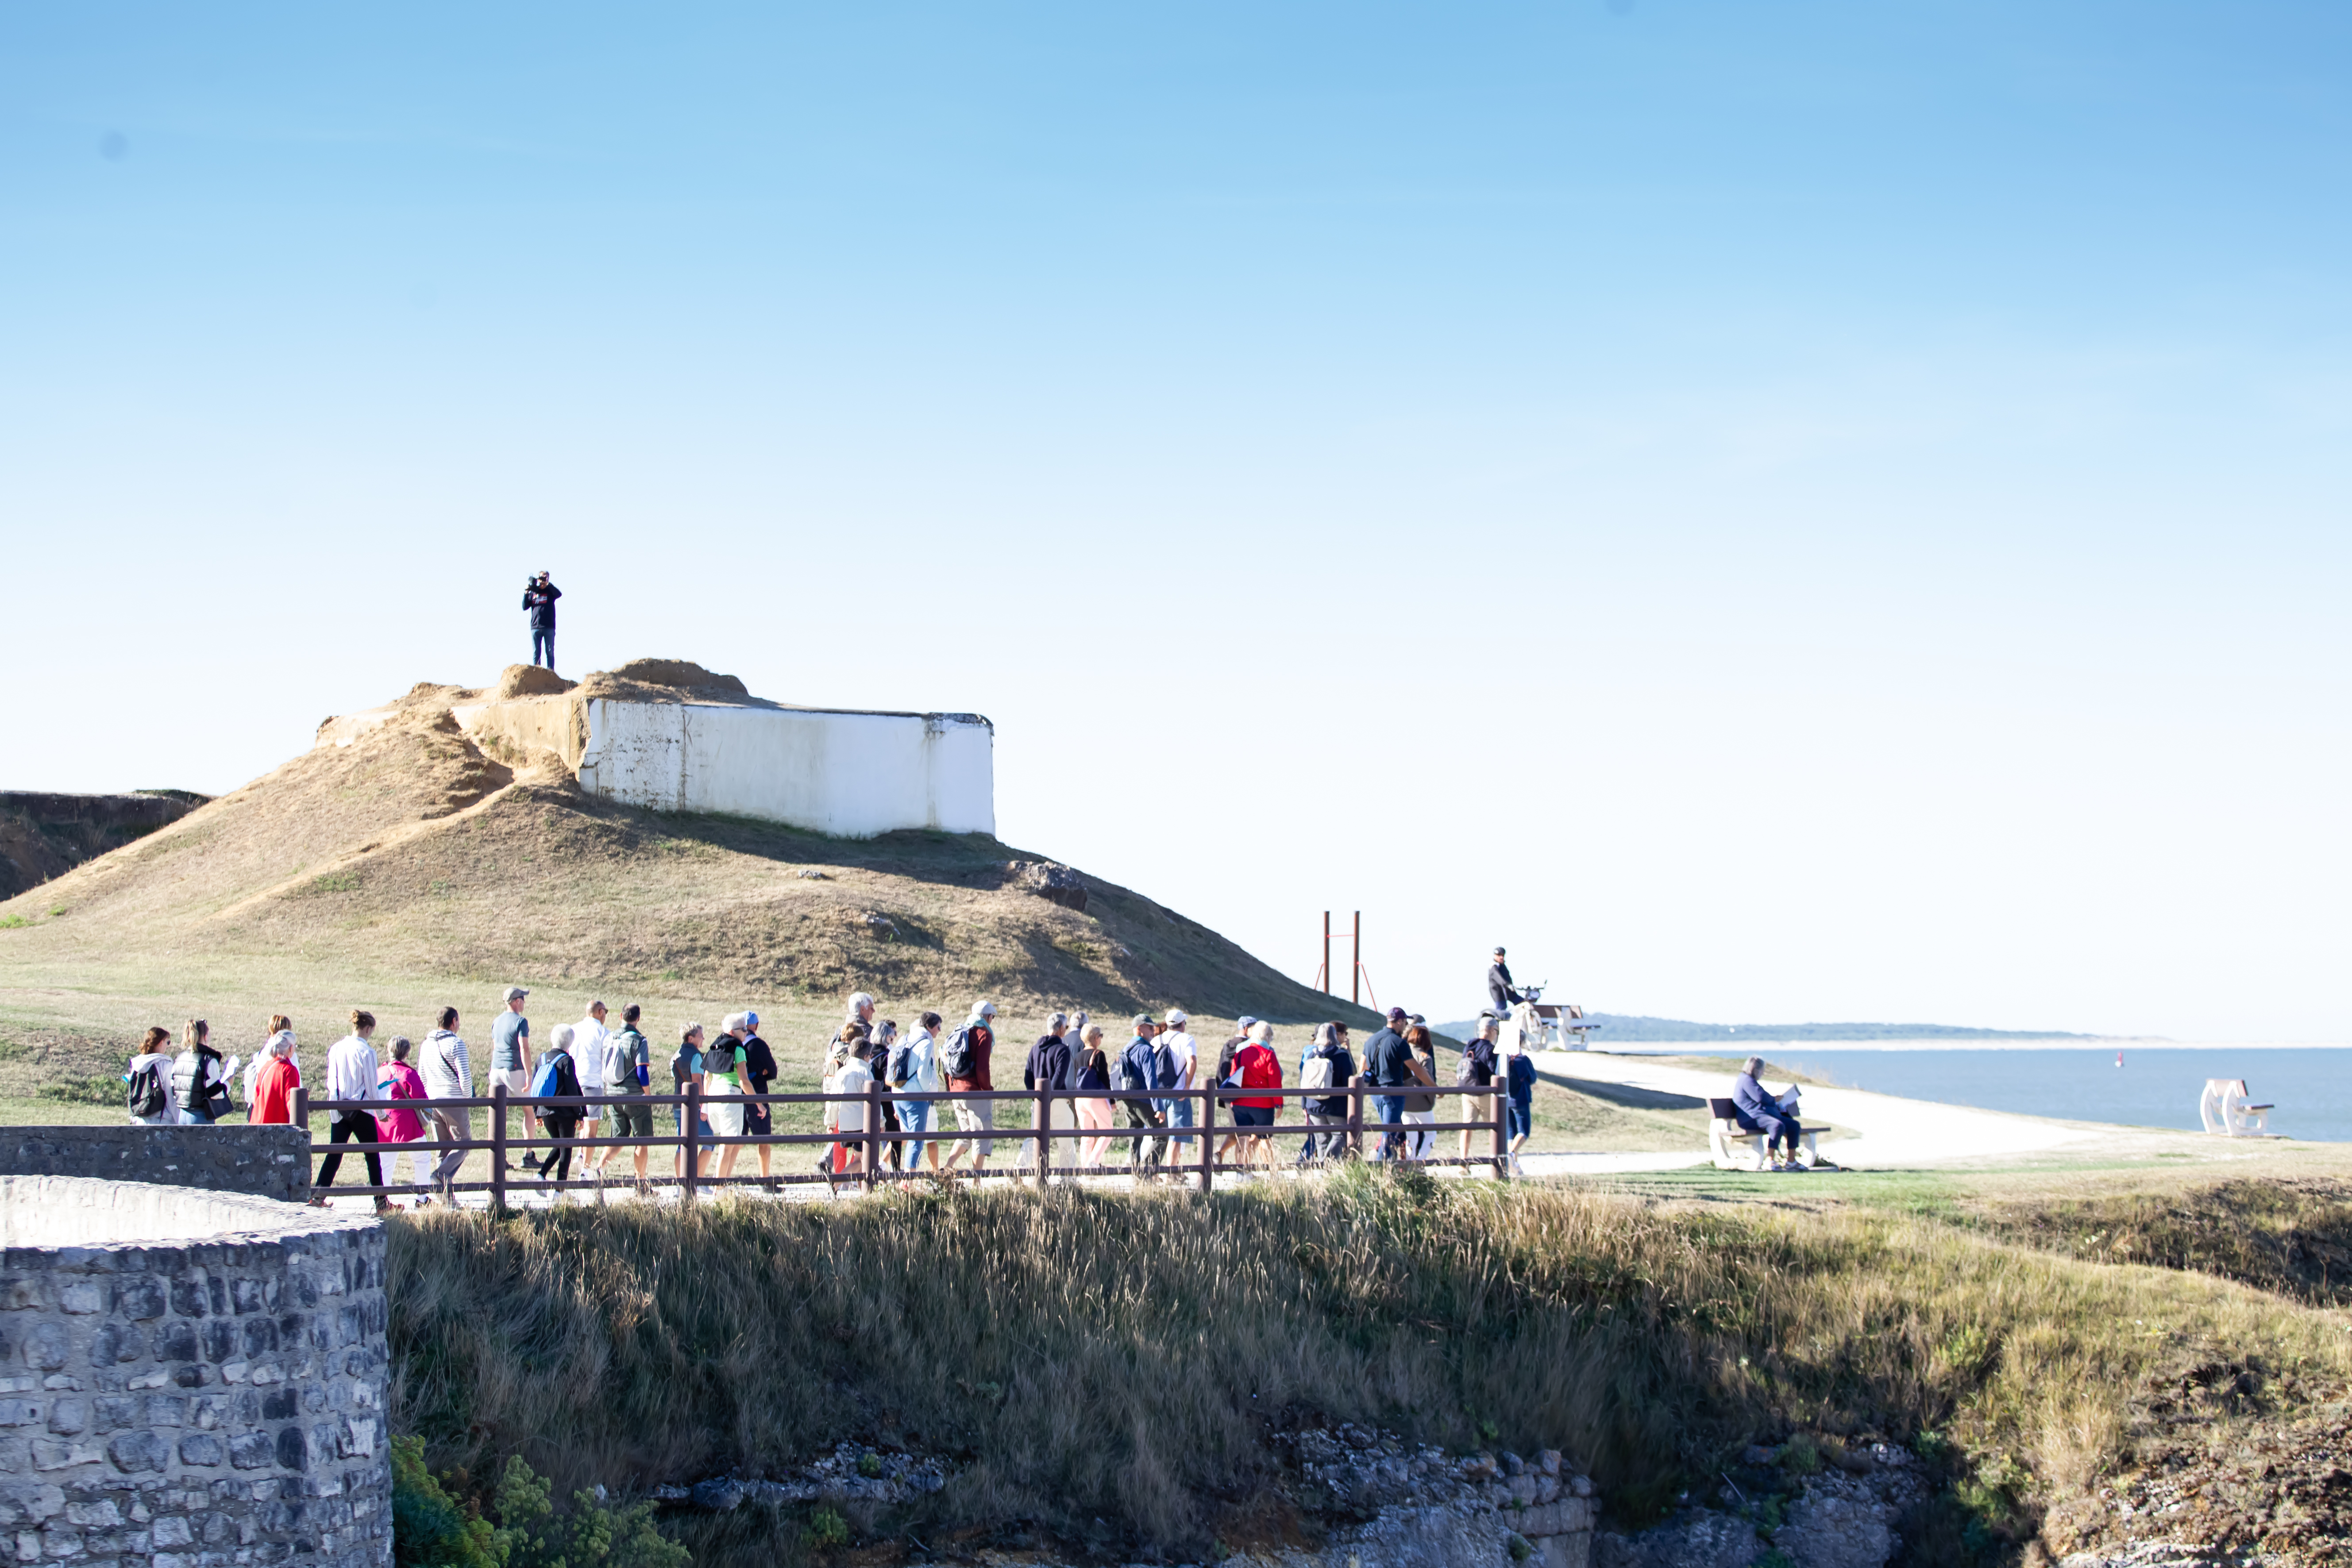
{"points": [[690, 1129], [1045, 1115], [1502, 1131], [499, 1149], [1208, 1137], [873, 1134]]}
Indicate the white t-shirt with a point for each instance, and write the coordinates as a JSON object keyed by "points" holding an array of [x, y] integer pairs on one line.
{"points": [[588, 1041], [853, 1080], [1183, 1054]]}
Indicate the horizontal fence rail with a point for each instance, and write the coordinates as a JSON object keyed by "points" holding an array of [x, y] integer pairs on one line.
{"points": [[689, 1145]]}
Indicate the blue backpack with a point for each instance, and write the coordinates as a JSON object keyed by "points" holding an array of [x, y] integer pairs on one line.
{"points": [[544, 1082]]}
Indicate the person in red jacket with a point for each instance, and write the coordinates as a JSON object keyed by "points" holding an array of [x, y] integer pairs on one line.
{"points": [[1257, 1067], [273, 1086]]}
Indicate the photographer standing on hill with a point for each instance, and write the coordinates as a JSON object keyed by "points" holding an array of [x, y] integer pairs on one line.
{"points": [[539, 596]]}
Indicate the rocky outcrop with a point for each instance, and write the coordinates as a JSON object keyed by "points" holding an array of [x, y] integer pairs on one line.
{"points": [[1840, 1518], [46, 836], [1050, 880]]}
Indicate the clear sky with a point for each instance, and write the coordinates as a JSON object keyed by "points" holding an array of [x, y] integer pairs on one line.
{"points": [[1806, 510]]}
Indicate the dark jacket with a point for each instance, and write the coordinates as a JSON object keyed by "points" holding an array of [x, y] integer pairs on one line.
{"points": [[1048, 1065], [759, 1064], [1522, 1077], [1343, 1073], [1089, 1072], [1149, 1065], [1385, 1055], [1498, 986], [1478, 1059], [1754, 1103], [541, 603]]}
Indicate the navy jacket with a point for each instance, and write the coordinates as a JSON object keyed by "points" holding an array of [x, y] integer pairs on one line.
{"points": [[1343, 1072], [541, 603], [1152, 1066], [1385, 1055], [1754, 1103], [1048, 1064]]}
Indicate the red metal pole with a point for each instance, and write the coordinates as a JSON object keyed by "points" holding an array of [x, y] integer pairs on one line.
{"points": [[1356, 969], [1327, 953]]}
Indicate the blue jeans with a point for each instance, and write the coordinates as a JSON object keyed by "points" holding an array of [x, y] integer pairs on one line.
{"points": [[914, 1116], [1389, 1109], [543, 645], [1522, 1120]]}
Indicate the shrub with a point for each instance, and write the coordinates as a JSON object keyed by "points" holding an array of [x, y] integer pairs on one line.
{"points": [[430, 1529]]}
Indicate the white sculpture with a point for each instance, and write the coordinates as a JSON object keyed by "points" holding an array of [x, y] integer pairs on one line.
{"points": [[2223, 1108]]}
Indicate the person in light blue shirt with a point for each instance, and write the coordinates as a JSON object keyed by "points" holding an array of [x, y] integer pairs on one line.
{"points": [[510, 1062]]}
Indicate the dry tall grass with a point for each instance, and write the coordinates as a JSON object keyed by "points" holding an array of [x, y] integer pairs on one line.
{"points": [[1120, 1355]]}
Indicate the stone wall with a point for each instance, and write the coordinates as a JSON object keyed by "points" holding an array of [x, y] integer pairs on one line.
{"points": [[260, 1161], [190, 1379]]}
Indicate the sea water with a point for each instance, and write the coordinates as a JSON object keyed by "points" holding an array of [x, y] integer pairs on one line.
{"points": [[2156, 1086]]}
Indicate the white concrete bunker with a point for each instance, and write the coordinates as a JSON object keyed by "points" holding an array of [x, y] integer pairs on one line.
{"points": [[672, 736], [841, 772]]}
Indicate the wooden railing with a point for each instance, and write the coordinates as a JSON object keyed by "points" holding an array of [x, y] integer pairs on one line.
{"points": [[688, 1141]]}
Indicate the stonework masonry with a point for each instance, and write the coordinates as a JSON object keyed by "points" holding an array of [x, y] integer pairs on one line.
{"points": [[262, 1162], [189, 1380]]}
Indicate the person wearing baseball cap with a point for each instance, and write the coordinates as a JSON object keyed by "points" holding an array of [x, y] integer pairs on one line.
{"points": [[1139, 1070], [510, 1059], [1499, 991], [1183, 1073], [1388, 1061]]}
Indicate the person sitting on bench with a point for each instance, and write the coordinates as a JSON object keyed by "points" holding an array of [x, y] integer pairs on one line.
{"points": [[1759, 1111]]}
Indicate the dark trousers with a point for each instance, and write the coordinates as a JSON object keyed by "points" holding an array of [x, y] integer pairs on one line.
{"points": [[543, 645], [894, 1151], [1145, 1152], [1325, 1145], [346, 1126], [560, 1124], [1777, 1131]]}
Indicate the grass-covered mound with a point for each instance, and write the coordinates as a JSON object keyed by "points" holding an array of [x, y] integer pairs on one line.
{"points": [[1096, 1357]]}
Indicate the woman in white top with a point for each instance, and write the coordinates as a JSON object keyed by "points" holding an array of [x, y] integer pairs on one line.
{"points": [[153, 1053], [922, 1077]]}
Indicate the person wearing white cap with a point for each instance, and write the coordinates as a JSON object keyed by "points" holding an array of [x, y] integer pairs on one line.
{"points": [[1184, 1063], [964, 1060], [510, 1059]]}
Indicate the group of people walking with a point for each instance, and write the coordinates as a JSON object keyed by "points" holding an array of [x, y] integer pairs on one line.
{"points": [[1158, 1072]]}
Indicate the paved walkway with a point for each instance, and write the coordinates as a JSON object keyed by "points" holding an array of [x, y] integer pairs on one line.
{"points": [[1882, 1131]]}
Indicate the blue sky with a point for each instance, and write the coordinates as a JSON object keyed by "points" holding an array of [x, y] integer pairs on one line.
{"points": [[1775, 511]]}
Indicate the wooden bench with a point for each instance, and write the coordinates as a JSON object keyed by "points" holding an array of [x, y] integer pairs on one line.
{"points": [[1736, 1148]]}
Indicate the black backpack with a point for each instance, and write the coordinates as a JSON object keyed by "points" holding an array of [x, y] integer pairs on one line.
{"points": [[956, 1060], [147, 1092]]}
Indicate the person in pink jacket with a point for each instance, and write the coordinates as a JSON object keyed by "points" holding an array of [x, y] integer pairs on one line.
{"points": [[401, 1128]]}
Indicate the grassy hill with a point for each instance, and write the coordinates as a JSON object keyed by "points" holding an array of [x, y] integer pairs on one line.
{"points": [[408, 867]]}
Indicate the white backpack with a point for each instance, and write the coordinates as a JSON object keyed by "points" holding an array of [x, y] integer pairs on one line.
{"points": [[1315, 1074]]}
